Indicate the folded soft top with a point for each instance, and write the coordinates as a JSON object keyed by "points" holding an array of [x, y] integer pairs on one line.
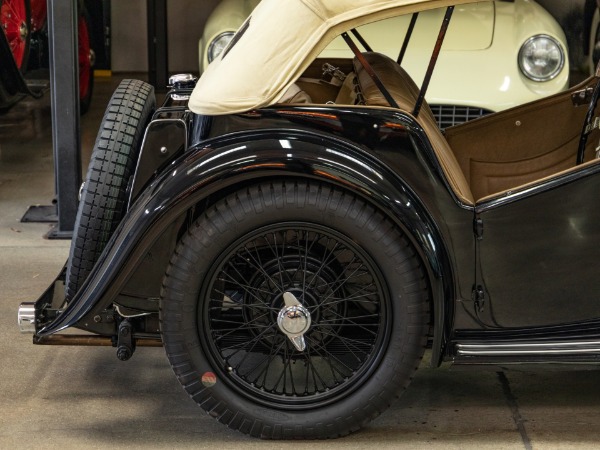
{"points": [[277, 43]]}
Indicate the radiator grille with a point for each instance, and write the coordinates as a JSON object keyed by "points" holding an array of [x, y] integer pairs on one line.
{"points": [[449, 115]]}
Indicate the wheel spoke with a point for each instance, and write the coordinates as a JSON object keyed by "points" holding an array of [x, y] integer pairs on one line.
{"points": [[331, 280], [248, 353], [245, 285], [315, 374], [257, 265], [225, 332], [13, 20], [324, 263], [236, 322], [256, 338], [334, 324], [358, 325], [329, 358], [352, 298], [338, 286], [348, 343], [283, 375], [278, 257], [272, 355], [355, 275]]}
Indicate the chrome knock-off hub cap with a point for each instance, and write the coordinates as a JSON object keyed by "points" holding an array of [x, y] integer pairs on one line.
{"points": [[23, 31], [294, 320]]}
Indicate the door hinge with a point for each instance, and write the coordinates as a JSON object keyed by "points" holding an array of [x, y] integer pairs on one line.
{"points": [[478, 297], [582, 97], [478, 228]]}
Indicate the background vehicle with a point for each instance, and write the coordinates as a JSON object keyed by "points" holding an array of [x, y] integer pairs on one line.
{"points": [[24, 23], [293, 242], [579, 20], [481, 68], [220, 27], [593, 55]]}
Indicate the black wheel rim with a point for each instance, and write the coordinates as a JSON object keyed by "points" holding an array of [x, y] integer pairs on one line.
{"points": [[332, 277]]}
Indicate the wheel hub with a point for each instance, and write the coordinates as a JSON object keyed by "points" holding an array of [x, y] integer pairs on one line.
{"points": [[23, 31], [294, 320]]}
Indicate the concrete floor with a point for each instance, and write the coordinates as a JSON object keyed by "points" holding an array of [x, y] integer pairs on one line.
{"points": [[76, 397]]}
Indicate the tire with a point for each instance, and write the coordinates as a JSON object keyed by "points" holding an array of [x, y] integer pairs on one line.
{"points": [[15, 19], [104, 195], [86, 59], [351, 271]]}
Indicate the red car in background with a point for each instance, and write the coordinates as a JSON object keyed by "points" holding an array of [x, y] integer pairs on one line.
{"points": [[24, 48]]}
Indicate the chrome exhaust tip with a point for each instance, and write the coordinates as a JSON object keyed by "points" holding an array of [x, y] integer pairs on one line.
{"points": [[26, 317]]}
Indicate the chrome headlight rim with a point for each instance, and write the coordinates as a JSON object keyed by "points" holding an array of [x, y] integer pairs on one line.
{"points": [[213, 46], [552, 75]]}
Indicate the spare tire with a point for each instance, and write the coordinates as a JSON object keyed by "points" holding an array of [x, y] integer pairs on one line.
{"points": [[104, 195]]}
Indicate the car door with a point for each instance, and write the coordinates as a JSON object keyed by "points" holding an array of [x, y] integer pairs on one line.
{"points": [[538, 253]]}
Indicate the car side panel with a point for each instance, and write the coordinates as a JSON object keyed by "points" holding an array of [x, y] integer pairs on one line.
{"points": [[398, 141], [311, 145], [539, 252]]}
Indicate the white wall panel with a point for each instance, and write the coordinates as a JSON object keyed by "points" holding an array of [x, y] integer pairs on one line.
{"points": [[129, 34]]}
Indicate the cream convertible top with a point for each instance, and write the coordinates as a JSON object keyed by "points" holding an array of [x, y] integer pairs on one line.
{"points": [[281, 38]]}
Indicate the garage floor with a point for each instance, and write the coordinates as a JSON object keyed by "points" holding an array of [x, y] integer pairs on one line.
{"points": [[78, 397]]}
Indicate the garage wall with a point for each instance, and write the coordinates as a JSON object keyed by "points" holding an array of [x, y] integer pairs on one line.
{"points": [[185, 20]]}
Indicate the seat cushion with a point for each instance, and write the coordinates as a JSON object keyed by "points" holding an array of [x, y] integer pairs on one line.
{"points": [[405, 92]]}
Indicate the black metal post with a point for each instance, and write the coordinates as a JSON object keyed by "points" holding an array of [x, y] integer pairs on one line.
{"points": [[411, 27], [433, 60], [64, 91], [158, 57]]}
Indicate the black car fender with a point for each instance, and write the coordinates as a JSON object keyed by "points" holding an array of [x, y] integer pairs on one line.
{"points": [[208, 172]]}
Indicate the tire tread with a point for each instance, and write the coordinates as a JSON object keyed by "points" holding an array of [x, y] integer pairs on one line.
{"points": [[103, 199]]}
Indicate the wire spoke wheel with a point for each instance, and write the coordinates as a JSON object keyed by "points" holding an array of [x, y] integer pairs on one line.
{"points": [[294, 310], [331, 278], [14, 20], [86, 62]]}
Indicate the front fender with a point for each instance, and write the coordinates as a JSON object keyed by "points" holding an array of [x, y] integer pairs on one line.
{"points": [[204, 172]]}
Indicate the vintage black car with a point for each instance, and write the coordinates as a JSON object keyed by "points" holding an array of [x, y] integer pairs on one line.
{"points": [[295, 231]]}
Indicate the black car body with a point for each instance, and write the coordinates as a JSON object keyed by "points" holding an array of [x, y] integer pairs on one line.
{"points": [[294, 257]]}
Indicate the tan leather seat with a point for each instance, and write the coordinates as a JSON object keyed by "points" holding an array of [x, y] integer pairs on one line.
{"points": [[295, 94], [404, 90]]}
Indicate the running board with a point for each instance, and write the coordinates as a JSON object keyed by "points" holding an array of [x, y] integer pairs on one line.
{"points": [[534, 349]]}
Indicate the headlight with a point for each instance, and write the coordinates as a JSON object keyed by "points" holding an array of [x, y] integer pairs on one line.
{"points": [[541, 58], [218, 44]]}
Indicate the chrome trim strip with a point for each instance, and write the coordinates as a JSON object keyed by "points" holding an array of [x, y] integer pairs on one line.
{"points": [[531, 348]]}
